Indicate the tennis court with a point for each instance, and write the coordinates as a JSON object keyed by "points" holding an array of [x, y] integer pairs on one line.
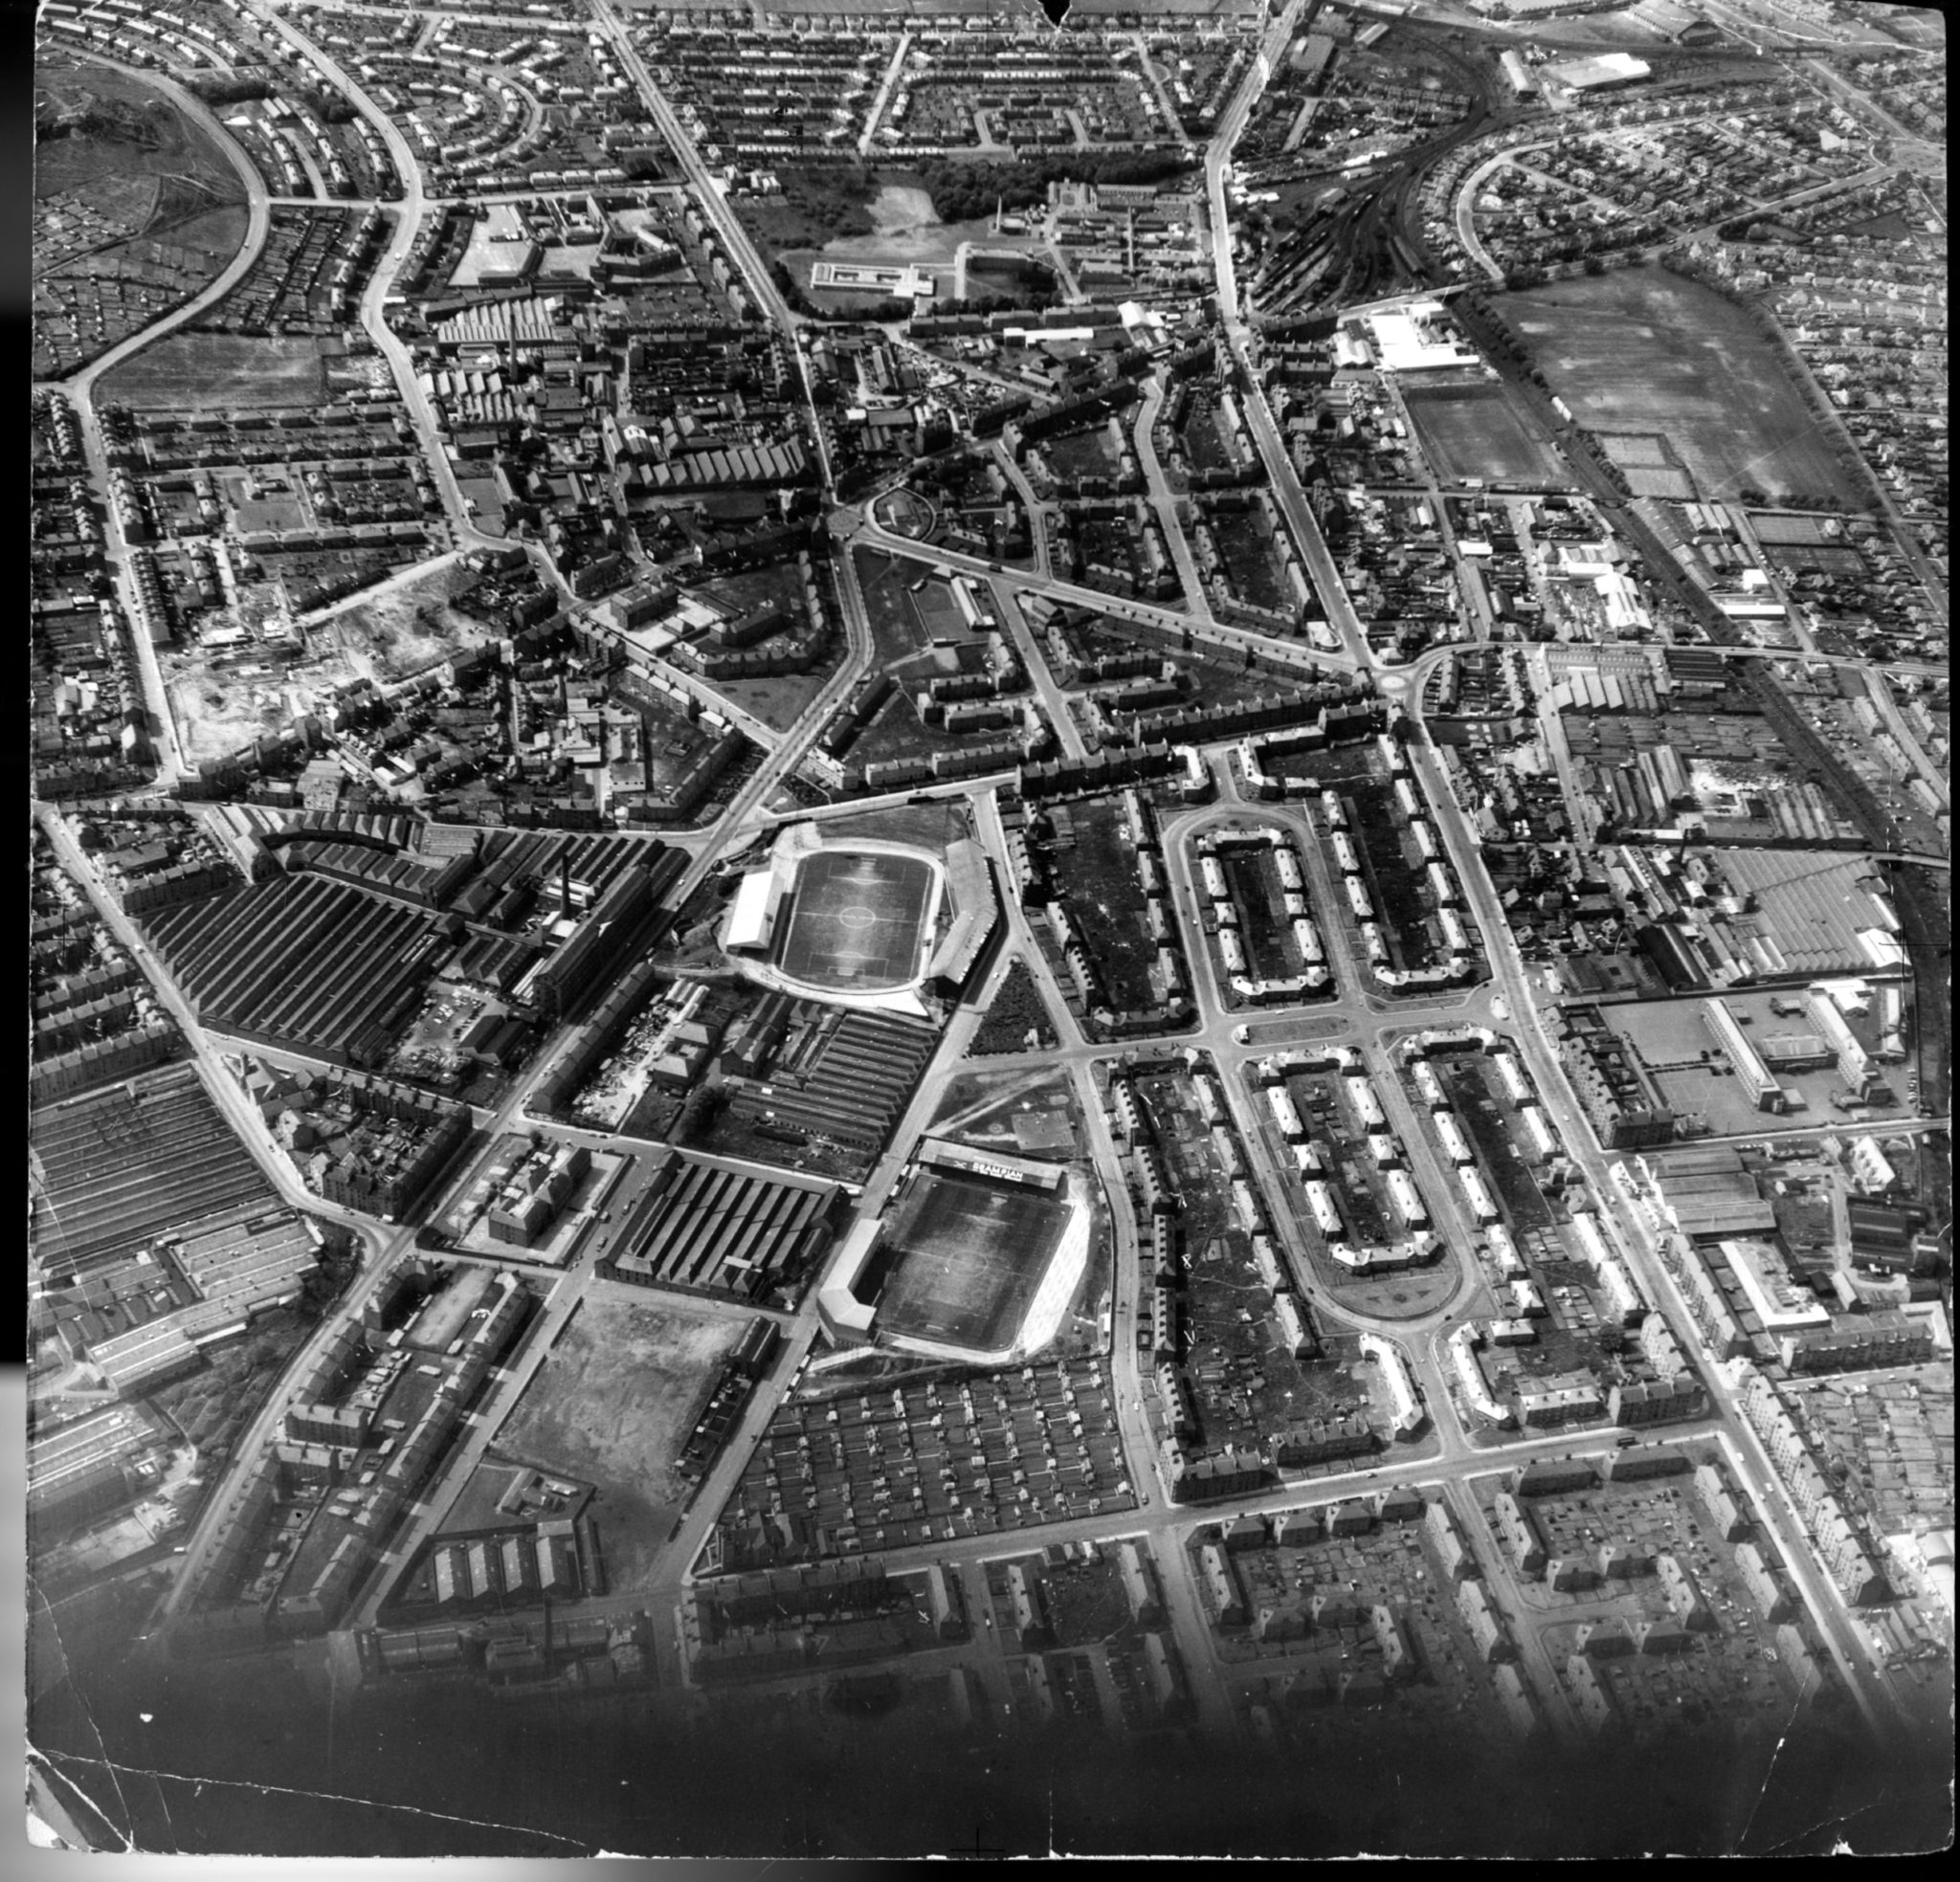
{"points": [[854, 920]]}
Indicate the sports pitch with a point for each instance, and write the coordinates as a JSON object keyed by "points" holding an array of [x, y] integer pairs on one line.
{"points": [[1640, 350], [1474, 432], [973, 1256], [854, 920]]}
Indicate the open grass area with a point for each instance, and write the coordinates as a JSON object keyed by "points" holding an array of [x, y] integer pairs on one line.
{"points": [[1251, 558], [781, 700], [135, 209], [1641, 350], [1020, 1110], [1105, 901], [898, 633], [613, 1405], [1475, 430], [207, 371], [818, 202]]}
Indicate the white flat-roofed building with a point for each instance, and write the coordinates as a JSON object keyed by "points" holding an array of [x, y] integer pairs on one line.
{"points": [[752, 914], [1783, 1306], [1409, 339], [1870, 1166], [1601, 73]]}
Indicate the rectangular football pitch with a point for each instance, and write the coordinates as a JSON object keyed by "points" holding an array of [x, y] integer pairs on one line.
{"points": [[1476, 431], [855, 920], [973, 1254]]}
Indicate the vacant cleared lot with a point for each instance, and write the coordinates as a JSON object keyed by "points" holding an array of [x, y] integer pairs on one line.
{"points": [[613, 1405], [1641, 350], [196, 371]]}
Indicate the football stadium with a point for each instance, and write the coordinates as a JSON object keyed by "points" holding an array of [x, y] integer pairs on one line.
{"points": [[854, 920], [865, 924], [977, 1258]]}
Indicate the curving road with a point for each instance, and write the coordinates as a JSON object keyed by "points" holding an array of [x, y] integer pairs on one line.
{"points": [[79, 387], [406, 220]]}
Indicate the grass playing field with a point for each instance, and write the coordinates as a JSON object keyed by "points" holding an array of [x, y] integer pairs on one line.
{"points": [[974, 1252], [854, 920], [1474, 431], [1641, 350]]}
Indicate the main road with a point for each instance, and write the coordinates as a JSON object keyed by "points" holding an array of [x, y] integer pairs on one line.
{"points": [[1329, 588], [848, 527], [1635, 1235], [612, 17]]}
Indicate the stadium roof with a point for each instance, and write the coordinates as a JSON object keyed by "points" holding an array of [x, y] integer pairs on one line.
{"points": [[752, 914], [1583, 74]]}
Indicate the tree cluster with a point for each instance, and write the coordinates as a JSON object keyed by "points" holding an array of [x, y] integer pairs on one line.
{"points": [[964, 192]]}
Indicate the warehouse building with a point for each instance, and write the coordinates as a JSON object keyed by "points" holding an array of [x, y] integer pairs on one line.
{"points": [[703, 1226]]}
